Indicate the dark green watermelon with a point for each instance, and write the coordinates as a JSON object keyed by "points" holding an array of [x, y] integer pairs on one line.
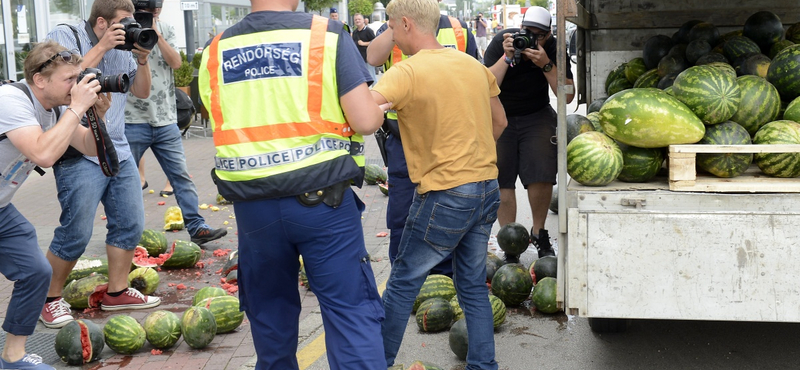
{"points": [[696, 49], [725, 165], [512, 283], [755, 65], [793, 33], [682, 35], [544, 267], [595, 105], [576, 125], [655, 48], [458, 339], [765, 28], [640, 164], [705, 31], [711, 57], [671, 64], [777, 47], [513, 239]]}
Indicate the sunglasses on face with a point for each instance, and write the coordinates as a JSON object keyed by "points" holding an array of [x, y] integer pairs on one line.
{"points": [[65, 55]]}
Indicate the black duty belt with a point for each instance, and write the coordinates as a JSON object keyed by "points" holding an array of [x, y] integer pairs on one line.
{"points": [[331, 195]]}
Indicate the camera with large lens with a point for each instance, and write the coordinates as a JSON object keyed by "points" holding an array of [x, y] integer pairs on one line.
{"points": [[115, 83], [142, 13], [523, 40], [135, 34]]}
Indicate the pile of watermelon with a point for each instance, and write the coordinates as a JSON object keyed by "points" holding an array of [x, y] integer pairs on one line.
{"points": [[696, 86]]}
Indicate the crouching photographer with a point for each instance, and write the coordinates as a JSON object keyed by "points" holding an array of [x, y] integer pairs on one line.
{"points": [[103, 41], [524, 62], [41, 119]]}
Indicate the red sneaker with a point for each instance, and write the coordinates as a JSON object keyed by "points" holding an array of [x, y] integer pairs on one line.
{"points": [[56, 314], [132, 299]]}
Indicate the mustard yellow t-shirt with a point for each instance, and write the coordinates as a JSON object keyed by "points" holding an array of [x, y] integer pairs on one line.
{"points": [[442, 102]]}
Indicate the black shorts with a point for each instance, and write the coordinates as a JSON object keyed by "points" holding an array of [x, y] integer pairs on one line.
{"points": [[527, 148]]}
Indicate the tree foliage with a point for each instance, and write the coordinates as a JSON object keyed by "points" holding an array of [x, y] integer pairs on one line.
{"points": [[360, 6], [319, 5]]}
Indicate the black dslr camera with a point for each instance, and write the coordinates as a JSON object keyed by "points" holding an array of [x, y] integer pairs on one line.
{"points": [[135, 34], [523, 39], [144, 17], [116, 83]]}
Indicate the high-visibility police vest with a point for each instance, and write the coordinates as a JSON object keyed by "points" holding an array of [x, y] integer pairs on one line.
{"points": [[453, 37], [273, 103]]}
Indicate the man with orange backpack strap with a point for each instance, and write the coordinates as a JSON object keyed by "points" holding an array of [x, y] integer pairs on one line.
{"points": [[451, 33], [288, 102]]}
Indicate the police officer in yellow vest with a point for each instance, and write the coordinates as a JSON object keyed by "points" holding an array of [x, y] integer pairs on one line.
{"points": [[287, 94], [452, 33]]}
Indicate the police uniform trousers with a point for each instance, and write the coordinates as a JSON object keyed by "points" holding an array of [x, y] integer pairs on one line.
{"points": [[401, 194], [273, 233]]}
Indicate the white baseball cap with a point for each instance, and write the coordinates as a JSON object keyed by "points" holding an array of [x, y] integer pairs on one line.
{"points": [[538, 17]]}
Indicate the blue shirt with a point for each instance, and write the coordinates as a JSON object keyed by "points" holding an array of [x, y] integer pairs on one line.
{"points": [[114, 62]]}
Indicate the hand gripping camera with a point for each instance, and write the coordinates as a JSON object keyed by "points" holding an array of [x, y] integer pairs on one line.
{"points": [[523, 39], [135, 34], [115, 83]]}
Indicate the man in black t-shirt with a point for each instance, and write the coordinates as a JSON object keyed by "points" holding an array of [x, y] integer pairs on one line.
{"points": [[362, 36], [527, 147]]}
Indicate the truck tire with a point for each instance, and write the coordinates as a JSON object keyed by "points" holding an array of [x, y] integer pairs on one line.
{"points": [[603, 325]]}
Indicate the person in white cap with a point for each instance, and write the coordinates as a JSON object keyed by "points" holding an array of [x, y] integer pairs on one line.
{"points": [[524, 62]]}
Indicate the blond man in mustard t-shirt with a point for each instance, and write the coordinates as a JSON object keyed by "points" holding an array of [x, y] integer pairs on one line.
{"points": [[450, 117]]}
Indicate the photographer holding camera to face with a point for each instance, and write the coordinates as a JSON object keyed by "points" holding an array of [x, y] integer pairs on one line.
{"points": [[523, 61], [114, 43], [42, 118]]}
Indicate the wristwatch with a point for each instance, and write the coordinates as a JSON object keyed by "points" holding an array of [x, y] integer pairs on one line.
{"points": [[548, 67]]}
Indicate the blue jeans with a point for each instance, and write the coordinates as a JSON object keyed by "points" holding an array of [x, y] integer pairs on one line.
{"points": [[81, 187], [165, 141], [456, 221], [272, 234], [401, 194], [22, 262]]}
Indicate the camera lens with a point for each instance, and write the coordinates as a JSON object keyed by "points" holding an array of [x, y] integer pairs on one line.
{"points": [[146, 38], [521, 42], [115, 84]]}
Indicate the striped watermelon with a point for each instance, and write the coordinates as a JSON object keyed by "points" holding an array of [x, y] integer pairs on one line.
{"points": [[784, 73], [544, 295], [207, 292], [435, 285], [615, 74], [87, 266], [374, 174], [785, 165], [647, 79], [640, 164], [226, 312], [792, 111], [710, 93], [434, 315], [154, 241], [498, 311], [725, 164], [634, 68], [198, 327], [83, 293], [649, 118], [618, 85], [144, 279], [512, 283], [777, 47], [793, 33], [737, 46], [594, 118], [184, 254], [593, 159], [123, 334], [162, 329], [760, 103], [458, 312]]}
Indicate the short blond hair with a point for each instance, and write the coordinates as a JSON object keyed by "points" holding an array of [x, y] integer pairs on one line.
{"points": [[43, 52], [424, 13]]}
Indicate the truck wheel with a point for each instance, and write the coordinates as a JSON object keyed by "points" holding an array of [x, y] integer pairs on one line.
{"points": [[602, 325]]}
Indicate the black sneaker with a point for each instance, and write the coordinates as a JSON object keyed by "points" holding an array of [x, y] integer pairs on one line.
{"points": [[542, 244], [206, 234]]}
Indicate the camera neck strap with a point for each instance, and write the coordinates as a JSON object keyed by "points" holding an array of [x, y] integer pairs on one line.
{"points": [[106, 153]]}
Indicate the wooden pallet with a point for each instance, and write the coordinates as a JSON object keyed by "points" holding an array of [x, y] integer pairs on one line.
{"points": [[683, 174]]}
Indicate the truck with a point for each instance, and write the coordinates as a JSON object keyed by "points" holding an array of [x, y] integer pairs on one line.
{"points": [[683, 246]]}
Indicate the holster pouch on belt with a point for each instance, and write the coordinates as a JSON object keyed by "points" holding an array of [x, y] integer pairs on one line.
{"points": [[332, 195], [380, 137]]}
